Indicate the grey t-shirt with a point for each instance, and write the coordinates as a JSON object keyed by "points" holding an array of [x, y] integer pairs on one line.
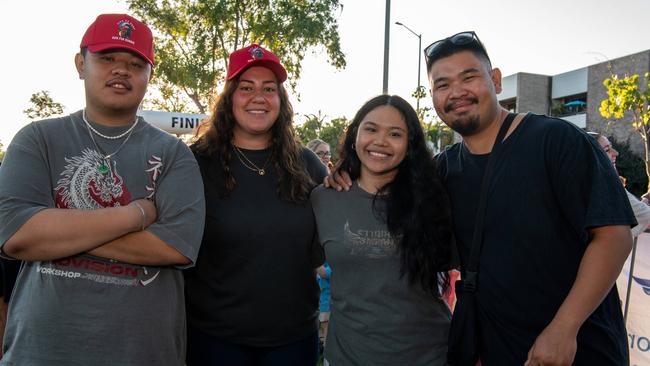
{"points": [[86, 310], [377, 318]]}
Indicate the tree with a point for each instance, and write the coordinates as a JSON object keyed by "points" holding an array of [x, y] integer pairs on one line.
{"points": [[629, 94], [43, 106], [630, 167], [332, 133], [311, 128], [195, 37], [435, 131], [438, 134], [2, 152], [315, 127]]}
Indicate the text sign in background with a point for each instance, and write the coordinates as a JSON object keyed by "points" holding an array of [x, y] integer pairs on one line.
{"points": [[173, 122], [638, 317]]}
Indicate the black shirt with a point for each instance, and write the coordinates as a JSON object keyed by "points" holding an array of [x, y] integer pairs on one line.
{"points": [[551, 184], [254, 281]]}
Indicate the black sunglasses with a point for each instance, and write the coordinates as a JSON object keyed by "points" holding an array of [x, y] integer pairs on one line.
{"points": [[458, 39]]}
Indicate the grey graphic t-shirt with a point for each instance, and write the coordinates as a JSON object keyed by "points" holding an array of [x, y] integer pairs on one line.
{"points": [[377, 318], [86, 310]]}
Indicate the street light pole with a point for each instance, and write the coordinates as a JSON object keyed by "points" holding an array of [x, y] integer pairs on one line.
{"points": [[419, 57], [386, 47]]}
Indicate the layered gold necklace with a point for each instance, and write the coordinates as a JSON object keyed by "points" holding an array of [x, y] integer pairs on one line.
{"points": [[249, 164]]}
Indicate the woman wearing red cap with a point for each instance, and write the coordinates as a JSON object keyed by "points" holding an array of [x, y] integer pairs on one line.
{"points": [[252, 297]]}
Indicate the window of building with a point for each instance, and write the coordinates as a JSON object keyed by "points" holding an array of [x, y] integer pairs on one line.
{"points": [[570, 105]]}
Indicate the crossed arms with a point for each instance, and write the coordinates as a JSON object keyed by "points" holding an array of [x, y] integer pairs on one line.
{"points": [[166, 231], [112, 233]]}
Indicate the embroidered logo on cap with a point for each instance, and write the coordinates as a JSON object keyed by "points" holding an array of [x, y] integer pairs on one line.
{"points": [[124, 29], [124, 32], [256, 52]]}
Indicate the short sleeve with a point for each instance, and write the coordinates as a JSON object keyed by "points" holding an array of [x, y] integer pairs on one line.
{"points": [[180, 203], [584, 180], [641, 213], [25, 184]]}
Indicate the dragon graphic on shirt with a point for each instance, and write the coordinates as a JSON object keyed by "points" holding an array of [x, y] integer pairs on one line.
{"points": [[83, 186]]}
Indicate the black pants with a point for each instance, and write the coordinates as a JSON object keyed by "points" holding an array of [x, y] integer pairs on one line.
{"points": [[205, 350]]}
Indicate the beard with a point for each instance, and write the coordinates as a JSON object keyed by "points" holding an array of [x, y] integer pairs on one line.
{"points": [[466, 126]]}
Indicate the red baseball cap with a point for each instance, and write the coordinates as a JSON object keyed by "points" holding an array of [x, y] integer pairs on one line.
{"points": [[254, 55], [119, 31]]}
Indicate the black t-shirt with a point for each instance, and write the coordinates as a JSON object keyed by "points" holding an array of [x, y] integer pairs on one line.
{"points": [[551, 184], [254, 281]]}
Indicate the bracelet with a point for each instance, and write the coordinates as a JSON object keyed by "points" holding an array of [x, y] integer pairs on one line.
{"points": [[144, 216]]}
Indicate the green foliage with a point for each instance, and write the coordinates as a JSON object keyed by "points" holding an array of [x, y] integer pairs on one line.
{"points": [[631, 167], [625, 95], [311, 128], [435, 131], [195, 37], [43, 106], [419, 93], [315, 127], [556, 108], [167, 98], [333, 132], [2, 152], [629, 94], [438, 133]]}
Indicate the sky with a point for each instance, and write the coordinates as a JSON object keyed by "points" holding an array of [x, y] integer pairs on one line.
{"points": [[537, 36]]}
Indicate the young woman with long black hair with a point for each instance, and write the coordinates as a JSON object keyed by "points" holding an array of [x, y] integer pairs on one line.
{"points": [[389, 241]]}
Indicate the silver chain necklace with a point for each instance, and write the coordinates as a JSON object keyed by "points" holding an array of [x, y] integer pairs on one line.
{"points": [[127, 132], [105, 166]]}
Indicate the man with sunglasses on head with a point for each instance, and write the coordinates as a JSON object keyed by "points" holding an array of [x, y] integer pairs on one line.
{"points": [[556, 227], [103, 209]]}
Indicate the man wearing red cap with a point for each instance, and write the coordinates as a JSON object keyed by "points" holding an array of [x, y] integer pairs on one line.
{"points": [[103, 209]]}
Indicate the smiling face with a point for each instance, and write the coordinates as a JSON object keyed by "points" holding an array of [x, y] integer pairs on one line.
{"points": [[323, 152], [464, 91], [381, 143], [115, 81], [255, 103]]}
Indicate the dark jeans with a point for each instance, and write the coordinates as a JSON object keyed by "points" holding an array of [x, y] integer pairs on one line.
{"points": [[205, 350]]}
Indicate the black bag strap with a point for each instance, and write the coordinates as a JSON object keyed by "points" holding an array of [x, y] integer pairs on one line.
{"points": [[470, 274]]}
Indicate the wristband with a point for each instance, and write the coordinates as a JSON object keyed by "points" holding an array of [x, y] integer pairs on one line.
{"points": [[144, 216]]}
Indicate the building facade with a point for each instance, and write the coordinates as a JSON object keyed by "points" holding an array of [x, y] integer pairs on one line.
{"points": [[576, 96]]}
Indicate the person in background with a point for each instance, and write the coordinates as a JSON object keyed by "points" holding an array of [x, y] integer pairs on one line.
{"points": [[322, 150], [640, 209], [389, 239], [252, 299], [323, 272]]}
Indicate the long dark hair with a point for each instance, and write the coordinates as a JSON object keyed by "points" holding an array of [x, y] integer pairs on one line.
{"points": [[417, 206], [215, 135]]}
